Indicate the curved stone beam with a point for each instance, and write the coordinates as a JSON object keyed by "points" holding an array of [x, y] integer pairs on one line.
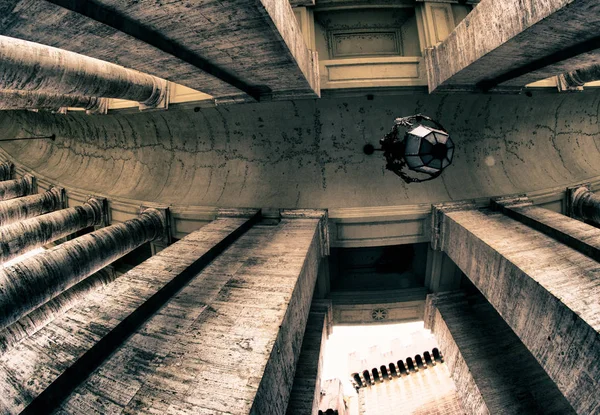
{"points": [[36, 280], [31, 66], [308, 153], [29, 234], [15, 100], [10, 189], [15, 210]]}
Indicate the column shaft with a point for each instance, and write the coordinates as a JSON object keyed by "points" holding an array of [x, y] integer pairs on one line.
{"points": [[20, 237], [15, 210], [546, 291], [493, 371], [32, 282], [38, 318], [15, 100], [34, 67], [306, 391], [7, 171], [585, 205], [10, 189]]}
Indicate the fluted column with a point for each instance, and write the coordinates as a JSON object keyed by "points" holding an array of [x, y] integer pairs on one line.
{"points": [[10, 189], [15, 100], [34, 281], [584, 204], [38, 318], [31, 66], [7, 170], [21, 208], [29, 234]]}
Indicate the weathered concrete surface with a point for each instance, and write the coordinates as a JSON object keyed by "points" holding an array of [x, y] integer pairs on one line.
{"points": [[574, 233], [500, 36], [7, 171], [15, 210], [23, 236], [63, 352], [11, 189], [493, 371], [309, 153], [546, 292], [306, 390], [38, 318], [32, 282], [15, 100], [585, 205], [33, 67], [258, 43]]}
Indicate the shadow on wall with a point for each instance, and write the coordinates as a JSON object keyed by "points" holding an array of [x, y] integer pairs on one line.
{"points": [[309, 153]]}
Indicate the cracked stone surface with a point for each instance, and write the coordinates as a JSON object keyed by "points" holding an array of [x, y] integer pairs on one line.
{"points": [[309, 153]]}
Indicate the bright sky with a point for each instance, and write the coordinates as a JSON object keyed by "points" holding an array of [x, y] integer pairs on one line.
{"points": [[368, 343]]}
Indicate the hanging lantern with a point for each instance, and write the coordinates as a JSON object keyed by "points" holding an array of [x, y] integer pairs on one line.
{"points": [[422, 148]]}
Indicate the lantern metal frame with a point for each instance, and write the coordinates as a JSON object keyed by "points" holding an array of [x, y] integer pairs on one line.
{"points": [[393, 147]]}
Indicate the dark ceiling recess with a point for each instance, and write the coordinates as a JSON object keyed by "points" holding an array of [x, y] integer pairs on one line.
{"points": [[377, 268], [114, 19]]}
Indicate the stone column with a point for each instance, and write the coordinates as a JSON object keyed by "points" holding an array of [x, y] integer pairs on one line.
{"points": [[32, 282], [15, 210], [38, 318], [10, 189], [306, 390], [493, 371], [7, 170], [34, 67], [15, 100], [582, 203], [20, 237], [544, 289]]}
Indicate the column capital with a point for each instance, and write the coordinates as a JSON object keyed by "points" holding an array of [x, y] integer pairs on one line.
{"points": [[574, 194], [101, 210], [61, 196], [162, 213], [31, 183], [437, 219]]}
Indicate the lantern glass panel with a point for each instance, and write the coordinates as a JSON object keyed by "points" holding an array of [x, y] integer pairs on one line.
{"points": [[426, 147], [426, 158], [450, 153], [413, 161], [441, 138], [445, 163], [430, 138], [412, 144], [420, 131], [435, 163]]}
